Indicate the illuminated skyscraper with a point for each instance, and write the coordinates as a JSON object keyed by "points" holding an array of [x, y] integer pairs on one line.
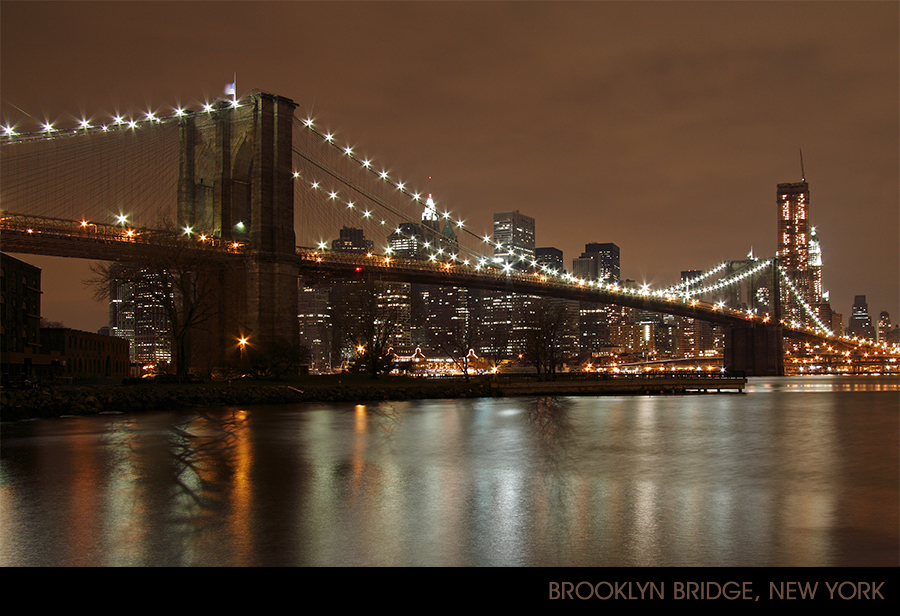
{"points": [[513, 238], [793, 246], [137, 313]]}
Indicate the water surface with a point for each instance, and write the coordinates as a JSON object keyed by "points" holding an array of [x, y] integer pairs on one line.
{"points": [[795, 472]]}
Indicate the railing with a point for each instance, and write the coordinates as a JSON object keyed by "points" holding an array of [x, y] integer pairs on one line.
{"points": [[108, 233]]}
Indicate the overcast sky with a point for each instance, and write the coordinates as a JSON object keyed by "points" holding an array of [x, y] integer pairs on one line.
{"points": [[661, 127]]}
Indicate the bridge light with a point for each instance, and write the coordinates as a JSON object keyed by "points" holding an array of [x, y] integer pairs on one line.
{"points": [[296, 174], [329, 137], [84, 124], [315, 185], [235, 103], [323, 245], [401, 185], [366, 163], [235, 245], [367, 214], [29, 230], [188, 231], [84, 223], [348, 150], [179, 112], [202, 237], [308, 122], [121, 219], [207, 107], [48, 127]]}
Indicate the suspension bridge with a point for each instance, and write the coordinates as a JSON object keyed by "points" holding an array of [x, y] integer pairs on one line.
{"points": [[253, 185]]}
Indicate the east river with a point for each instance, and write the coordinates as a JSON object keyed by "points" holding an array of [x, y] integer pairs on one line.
{"points": [[793, 472]]}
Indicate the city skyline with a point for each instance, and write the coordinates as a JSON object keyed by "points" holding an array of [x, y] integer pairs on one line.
{"points": [[680, 177]]}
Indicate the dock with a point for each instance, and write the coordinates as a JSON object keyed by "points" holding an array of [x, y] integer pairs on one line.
{"points": [[623, 384]]}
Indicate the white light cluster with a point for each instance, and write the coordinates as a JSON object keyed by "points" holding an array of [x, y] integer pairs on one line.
{"points": [[675, 289], [117, 120], [802, 302], [725, 282]]}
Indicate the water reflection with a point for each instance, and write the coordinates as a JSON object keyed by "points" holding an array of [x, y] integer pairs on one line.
{"points": [[783, 478]]}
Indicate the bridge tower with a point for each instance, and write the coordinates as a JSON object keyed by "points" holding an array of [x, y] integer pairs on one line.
{"points": [[758, 348], [235, 183]]}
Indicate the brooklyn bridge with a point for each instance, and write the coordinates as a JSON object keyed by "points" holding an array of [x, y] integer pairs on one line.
{"points": [[249, 185]]}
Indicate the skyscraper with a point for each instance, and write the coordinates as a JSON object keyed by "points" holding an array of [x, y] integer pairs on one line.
{"points": [[860, 321], [793, 246], [137, 313], [598, 261], [549, 257], [513, 238], [502, 316]]}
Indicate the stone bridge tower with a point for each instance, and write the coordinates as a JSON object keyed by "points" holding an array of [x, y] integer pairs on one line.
{"points": [[236, 184]]}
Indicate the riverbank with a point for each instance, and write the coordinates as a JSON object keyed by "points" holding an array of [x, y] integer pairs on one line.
{"points": [[59, 400], [56, 401]]}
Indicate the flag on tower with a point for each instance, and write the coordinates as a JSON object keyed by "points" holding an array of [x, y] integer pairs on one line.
{"points": [[230, 89]]}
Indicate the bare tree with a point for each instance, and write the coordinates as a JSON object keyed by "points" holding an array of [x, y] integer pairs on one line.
{"points": [[364, 325], [548, 323], [458, 340], [181, 278]]}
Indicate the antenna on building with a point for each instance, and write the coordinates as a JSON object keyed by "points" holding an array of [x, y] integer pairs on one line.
{"points": [[802, 172]]}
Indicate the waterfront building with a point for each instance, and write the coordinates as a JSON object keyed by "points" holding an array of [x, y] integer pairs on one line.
{"points": [[20, 320], [86, 355]]}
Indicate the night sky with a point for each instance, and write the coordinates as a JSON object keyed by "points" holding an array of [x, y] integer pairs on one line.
{"points": [[661, 127]]}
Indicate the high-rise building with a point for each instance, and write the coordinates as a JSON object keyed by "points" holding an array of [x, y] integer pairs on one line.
{"points": [[502, 317], [137, 312], [884, 326], [793, 246], [860, 321], [352, 240], [513, 238], [596, 322], [551, 258], [314, 316], [598, 261]]}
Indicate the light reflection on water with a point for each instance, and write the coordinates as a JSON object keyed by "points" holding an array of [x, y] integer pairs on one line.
{"points": [[793, 472]]}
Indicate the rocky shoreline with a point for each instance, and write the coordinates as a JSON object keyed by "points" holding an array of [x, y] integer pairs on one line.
{"points": [[56, 401]]}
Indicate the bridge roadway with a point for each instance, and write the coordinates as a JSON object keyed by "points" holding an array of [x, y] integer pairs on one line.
{"points": [[89, 240]]}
